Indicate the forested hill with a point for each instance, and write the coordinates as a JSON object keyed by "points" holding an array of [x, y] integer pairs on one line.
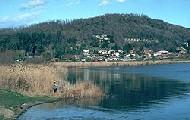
{"points": [[124, 31]]}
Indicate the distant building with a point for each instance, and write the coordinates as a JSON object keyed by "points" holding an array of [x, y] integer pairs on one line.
{"points": [[160, 53], [111, 52], [117, 54], [102, 37], [132, 52], [181, 50], [130, 57], [83, 60], [86, 52], [147, 54], [103, 52], [121, 51]]}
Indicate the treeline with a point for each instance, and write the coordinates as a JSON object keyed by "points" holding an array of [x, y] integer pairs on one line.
{"points": [[56, 39]]}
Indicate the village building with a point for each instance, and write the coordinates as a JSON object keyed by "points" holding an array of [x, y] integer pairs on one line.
{"points": [[181, 50], [86, 52], [147, 54]]}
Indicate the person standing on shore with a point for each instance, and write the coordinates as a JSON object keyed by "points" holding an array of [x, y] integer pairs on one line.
{"points": [[55, 87]]}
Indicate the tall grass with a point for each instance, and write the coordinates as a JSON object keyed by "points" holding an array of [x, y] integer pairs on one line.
{"points": [[81, 90], [37, 80], [30, 79], [119, 63]]}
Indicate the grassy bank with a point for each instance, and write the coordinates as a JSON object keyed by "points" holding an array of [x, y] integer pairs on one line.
{"points": [[11, 101], [32, 82]]}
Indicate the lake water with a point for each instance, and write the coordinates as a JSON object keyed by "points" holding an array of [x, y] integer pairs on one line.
{"points": [[155, 92]]}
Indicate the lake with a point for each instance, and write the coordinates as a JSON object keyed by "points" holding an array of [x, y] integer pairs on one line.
{"points": [[153, 92]]}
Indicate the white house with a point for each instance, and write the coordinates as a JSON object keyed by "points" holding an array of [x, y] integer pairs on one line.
{"points": [[117, 54], [86, 52], [103, 52], [161, 52]]}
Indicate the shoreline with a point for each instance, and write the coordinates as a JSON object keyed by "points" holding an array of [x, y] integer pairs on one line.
{"points": [[114, 64], [14, 104], [30, 105]]}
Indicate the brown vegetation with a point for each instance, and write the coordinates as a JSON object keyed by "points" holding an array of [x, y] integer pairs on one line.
{"points": [[37, 80], [119, 63], [81, 90]]}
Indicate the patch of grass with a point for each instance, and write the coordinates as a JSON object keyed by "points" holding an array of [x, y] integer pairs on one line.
{"points": [[10, 99]]}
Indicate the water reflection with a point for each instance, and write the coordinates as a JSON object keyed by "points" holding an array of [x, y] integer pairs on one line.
{"points": [[83, 103], [133, 93], [129, 90]]}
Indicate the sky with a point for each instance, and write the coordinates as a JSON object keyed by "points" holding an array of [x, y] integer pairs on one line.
{"points": [[14, 13]]}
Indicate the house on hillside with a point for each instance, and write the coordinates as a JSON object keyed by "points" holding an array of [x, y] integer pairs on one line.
{"points": [[111, 52], [147, 54], [102, 52], [162, 54], [86, 52], [181, 50]]}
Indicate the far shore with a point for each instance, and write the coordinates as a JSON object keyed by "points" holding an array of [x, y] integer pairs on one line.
{"points": [[109, 64]]}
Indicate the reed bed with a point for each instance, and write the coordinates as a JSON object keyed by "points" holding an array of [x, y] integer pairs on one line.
{"points": [[81, 90], [127, 63], [37, 80], [29, 79]]}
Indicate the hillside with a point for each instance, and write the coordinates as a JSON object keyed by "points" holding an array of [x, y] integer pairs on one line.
{"points": [[123, 31]]}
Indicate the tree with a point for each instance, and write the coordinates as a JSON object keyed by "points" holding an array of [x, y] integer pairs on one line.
{"points": [[127, 48]]}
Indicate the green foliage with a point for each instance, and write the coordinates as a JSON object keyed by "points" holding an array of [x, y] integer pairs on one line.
{"points": [[59, 38], [13, 99], [47, 55], [127, 48], [59, 51]]}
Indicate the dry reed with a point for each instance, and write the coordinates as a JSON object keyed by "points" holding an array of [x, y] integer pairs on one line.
{"points": [[127, 63], [81, 90], [37, 80]]}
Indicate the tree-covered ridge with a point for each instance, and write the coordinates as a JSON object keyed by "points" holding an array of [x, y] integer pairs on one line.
{"points": [[125, 31]]}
